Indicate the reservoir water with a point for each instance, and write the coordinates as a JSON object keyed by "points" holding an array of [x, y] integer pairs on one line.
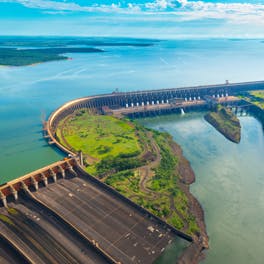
{"points": [[230, 177]]}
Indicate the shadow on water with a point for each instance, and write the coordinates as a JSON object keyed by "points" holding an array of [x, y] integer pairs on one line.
{"points": [[172, 252]]}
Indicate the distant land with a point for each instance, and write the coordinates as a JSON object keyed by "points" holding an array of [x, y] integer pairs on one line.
{"points": [[23, 57], [22, 51], [23, 41]]}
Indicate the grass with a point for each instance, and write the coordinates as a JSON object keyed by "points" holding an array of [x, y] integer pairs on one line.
{"points": [[99, 136]]}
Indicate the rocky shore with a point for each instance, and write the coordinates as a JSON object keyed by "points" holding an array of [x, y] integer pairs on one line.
{"points": [[194, 253]]}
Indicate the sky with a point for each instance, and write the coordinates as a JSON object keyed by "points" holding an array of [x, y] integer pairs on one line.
{"points": [[134, 18]]}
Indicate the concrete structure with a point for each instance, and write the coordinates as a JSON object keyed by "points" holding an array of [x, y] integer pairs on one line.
{"points": [[145, 101]]}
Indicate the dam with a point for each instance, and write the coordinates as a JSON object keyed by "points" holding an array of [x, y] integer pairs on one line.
{"points": [[96, 222]]}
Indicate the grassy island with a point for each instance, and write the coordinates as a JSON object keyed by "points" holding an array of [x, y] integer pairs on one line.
{"points": [[142, 164], [23, 57], [225, 122]]}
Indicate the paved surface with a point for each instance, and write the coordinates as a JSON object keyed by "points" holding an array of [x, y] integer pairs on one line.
{"points": [[118, 228], [43, 238], [8, 255]]}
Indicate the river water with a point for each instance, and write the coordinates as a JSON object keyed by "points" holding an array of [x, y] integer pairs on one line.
{"points": [[229, 183], [229, 177]]}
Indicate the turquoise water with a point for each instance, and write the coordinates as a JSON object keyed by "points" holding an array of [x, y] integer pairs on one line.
{"points": [[229, 184], [229, 177]]}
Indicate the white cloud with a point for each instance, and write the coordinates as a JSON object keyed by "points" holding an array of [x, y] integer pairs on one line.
{"points": [[183, 10]]}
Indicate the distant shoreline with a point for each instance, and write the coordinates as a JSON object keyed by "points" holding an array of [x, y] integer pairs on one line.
{"points": [[26, 57]]}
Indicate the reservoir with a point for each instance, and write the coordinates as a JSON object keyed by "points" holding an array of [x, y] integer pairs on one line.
{"points": [[229, 183], [229, 177]]}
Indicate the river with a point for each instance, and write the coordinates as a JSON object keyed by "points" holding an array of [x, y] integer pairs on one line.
{"points": [[230, 177], [229, 183]]}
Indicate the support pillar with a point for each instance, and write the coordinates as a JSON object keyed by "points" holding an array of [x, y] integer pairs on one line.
{"points": [[14, 192], [70, 168], [34, 182], [3, 199], [53, 175], [24, 187], [62, 171], [44, 179], [81, 158]]}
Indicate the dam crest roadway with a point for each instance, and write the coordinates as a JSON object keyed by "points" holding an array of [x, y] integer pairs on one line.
{"points": [[61, 213]]}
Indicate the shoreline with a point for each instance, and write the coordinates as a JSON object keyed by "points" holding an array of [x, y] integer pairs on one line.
{"points": [[194, 253]]}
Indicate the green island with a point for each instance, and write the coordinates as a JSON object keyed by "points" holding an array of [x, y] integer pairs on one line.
{"points": [[144, 165], [225, 122], [23, 57]]}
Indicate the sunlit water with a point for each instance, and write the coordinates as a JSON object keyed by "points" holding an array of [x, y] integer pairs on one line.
{"points": [[229, 177], [229, 184]]}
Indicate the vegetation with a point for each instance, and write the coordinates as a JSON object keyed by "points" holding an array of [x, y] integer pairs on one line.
{"points": [[22, 57], [255, 97], [137, 162], [225, 122], [12, 41]]}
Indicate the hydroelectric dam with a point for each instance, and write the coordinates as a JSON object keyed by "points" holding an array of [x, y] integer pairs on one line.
{"points": [[61, 214]]}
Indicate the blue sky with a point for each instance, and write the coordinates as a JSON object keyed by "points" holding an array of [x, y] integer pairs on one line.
{"points": [[134, 18]]}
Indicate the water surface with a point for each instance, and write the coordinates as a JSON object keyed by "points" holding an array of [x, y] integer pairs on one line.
{"points": [[229, 184]]}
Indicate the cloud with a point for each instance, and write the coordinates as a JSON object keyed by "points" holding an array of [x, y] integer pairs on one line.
{"points": [[183, 10]]}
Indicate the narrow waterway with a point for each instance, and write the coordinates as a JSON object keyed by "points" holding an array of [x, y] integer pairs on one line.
{"points": [[229, 184]]}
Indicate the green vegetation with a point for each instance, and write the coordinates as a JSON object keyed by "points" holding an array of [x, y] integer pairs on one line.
{"points": [[138, 162], [255, 97], [110, 141], [225, 122], [22, 57], [11, 41]]}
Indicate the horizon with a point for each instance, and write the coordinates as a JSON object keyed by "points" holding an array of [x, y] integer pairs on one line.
{"points": [[159, 19]]}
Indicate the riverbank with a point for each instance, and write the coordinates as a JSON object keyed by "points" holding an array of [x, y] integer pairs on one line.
{"points": [[194, 253]]}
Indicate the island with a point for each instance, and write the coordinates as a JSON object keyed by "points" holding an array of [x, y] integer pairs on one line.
{"points": [[23, 57], [142, 164], [225, 122]]}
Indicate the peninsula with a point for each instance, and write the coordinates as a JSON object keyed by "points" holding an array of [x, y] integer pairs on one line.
{"points": [[23, 57], [23, 51], [144, 165], [225, 122]]}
